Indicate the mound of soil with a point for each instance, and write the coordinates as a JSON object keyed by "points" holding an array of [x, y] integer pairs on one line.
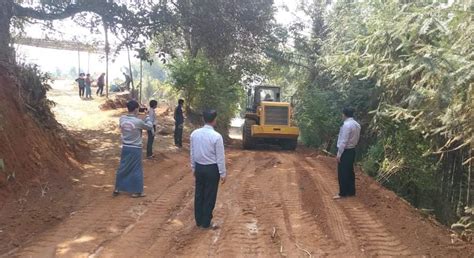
{"points": [[119, 101], [38, 168]]}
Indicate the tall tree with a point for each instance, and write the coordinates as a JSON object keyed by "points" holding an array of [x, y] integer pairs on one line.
{"points": [[227, 32]]}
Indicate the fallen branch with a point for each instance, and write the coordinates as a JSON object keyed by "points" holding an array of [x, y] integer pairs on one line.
{"points": [[304, 250]]}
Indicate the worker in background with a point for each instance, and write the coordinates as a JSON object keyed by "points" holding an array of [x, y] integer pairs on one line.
{"points": [[128, 81], [100, 85], [179, 124], [129, 176], [151, 133], [208, 166], [346, 142], [268, 97], [88, 83], [82, 84]]}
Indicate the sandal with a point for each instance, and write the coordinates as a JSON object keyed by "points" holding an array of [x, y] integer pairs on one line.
{"points": [[115, 193], [138, 195]]}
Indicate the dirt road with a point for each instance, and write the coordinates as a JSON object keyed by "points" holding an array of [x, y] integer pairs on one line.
{"points": [[274, 203]]}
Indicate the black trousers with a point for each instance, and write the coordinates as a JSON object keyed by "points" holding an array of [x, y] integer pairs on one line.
{"points": [[81, 91], [345, 173], [178, 135], [207, 183], [151, 139], [100, 90]]}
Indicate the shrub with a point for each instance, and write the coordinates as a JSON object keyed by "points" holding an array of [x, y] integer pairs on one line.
{"points": [[206, 86]]}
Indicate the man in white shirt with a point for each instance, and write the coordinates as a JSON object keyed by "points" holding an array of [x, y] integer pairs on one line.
{"points": [[346, 142], [208, 165]]}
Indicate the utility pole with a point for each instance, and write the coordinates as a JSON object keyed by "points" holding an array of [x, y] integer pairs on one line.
{"points": [[107, 50], [141, 79], [78, 61], [88, 61]]}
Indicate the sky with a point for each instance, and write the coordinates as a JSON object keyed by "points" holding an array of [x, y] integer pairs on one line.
{"points": [[51, 60]]}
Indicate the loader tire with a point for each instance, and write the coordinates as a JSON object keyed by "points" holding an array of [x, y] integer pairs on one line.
{"points": [[289, 144], [248, 142]]}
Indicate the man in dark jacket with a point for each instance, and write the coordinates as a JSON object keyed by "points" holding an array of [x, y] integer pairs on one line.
{"points": [[178, 126], [128, 81], [81, 82], [100, 84]]}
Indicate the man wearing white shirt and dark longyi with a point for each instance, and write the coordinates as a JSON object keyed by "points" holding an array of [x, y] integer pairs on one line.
{"points": [[208, 165], [346, 142]]}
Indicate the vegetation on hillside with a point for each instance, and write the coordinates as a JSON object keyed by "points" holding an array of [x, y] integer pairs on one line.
{"points": [[407, 69]]}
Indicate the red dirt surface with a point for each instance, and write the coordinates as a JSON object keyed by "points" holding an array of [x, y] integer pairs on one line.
{"points": [[274, 203], [35, 186]]}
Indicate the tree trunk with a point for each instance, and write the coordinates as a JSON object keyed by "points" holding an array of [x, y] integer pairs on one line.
{"points": [[6, 13], [130, 72], [469, 181]]}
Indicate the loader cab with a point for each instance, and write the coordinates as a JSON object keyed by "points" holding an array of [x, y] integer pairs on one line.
{"points": [[262, 93], [268, 120]]}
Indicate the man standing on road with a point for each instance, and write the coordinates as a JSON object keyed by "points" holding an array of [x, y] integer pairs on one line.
{"points": [[129, 176], [346, 143], [208, 165], [100, 84], [151, 133], [128, 81], [179, 124], [81, 82], [88, 83]]}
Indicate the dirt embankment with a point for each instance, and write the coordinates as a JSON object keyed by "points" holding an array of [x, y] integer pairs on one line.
{"points": [[36, 178]]}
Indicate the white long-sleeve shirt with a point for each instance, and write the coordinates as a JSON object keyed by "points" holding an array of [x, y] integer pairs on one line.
{"points": [[131, 128], [207, 148], [348, 136], [152, 115]]}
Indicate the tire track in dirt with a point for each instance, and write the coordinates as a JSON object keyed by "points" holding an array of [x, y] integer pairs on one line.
{"points": [[242, 233], [319, 205], [307, 232], [372, 237], [94, 225], [162, 207], [180, 237]]}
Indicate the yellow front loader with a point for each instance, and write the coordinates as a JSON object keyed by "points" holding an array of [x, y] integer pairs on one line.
{"points": [[268, 120]]}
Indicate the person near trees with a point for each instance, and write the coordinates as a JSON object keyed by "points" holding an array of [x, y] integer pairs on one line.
{"points": [[82, 84], [151, 133], [100, 85], [208, 167], [88, 84], [128, 81], [179, 124], [129, 175], [346, 143]]}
